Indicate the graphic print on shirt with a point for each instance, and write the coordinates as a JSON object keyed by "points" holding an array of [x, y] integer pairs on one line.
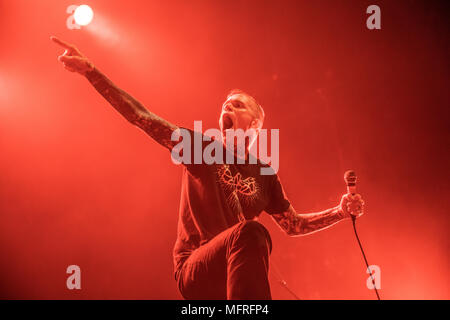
{"points": [[240, 191]]}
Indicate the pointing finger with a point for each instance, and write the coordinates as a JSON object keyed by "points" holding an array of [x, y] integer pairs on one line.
{"points": [[62, 43]]}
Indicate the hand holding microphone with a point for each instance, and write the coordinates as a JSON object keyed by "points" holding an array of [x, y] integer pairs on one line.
{"points": [[352, 205]]}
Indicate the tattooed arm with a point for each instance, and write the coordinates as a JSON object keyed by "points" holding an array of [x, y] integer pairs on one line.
{"points": [[131, 109], [295, 224]]}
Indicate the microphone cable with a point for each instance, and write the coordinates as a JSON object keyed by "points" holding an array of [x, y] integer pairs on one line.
{"points": [[364, 256], [280, 279]]}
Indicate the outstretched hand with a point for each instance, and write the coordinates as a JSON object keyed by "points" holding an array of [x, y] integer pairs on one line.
{"points": [[72, 59], [351, 206]]}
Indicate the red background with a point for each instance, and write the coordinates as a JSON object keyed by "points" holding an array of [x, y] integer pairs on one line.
{"points": [[79, 185]]}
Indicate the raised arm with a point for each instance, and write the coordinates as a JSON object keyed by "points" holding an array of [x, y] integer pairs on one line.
{"points": [[295, 224], [131, 109]]}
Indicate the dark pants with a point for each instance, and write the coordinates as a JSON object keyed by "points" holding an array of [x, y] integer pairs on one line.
{"points": [[233, 265]]}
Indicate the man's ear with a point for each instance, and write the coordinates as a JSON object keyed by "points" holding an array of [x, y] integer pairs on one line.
{"points": [[256, 124]]}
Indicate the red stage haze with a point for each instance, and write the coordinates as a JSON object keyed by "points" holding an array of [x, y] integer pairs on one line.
{"points": [[81, 186]]}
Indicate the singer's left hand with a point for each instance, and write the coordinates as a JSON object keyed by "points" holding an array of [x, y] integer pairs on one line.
{"points": [[351, 205]]}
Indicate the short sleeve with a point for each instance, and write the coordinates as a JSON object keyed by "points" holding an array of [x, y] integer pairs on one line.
{"points": [[278, 201], [191, 145]]}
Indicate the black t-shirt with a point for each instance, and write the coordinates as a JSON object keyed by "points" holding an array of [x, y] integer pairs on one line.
{"points": [[215, 197]]}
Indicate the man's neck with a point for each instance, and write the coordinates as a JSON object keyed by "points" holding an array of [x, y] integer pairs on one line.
{"points": [[234, 150]]}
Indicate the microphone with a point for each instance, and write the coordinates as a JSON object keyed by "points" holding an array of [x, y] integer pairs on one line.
{"points": [[350, 181]]}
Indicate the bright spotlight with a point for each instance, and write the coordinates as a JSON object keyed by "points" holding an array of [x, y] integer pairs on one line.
{"points": [[83, 15]]}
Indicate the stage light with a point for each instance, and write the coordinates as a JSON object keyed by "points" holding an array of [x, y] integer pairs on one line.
{"points": [[83, 15]]}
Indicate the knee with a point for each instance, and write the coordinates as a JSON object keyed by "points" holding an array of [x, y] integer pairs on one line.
{"points": [[253, 227], [254, 233]]}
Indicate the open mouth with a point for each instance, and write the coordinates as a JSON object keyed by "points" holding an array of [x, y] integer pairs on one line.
{"points": [[227, 122]]}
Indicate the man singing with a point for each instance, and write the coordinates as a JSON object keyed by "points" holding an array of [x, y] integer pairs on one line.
{"points": [[221, 251]]}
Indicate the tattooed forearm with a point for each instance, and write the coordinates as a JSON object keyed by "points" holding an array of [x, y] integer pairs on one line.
{"points": [[301, 224], [289, 221], [132, 110], [318, 221]]}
